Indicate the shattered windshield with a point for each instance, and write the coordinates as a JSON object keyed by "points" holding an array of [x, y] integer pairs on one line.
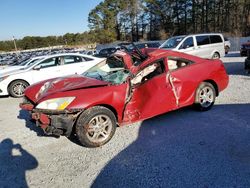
{"points": [[111, 70], [172, 42]]}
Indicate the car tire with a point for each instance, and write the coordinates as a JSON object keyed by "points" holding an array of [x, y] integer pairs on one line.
{"points": [[204, 97], [227, 49], [216, 55], [95, 126], [17, 87]]}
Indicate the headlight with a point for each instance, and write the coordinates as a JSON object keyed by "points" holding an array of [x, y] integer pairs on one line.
{"points": [[55, 104]]}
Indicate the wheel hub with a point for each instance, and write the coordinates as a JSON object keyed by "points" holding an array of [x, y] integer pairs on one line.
{"points": [[99, 128]]}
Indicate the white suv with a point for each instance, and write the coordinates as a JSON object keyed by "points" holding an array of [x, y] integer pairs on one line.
{"points": [[14, 83], [210, 45]]}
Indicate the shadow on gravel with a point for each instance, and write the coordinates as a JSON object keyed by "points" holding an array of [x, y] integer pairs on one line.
{"points": [[14, 162], [185, 148], [30, 124]]}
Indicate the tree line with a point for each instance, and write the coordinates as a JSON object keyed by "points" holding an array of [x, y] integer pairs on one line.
{"points": [[135, 20], [158, 19], [31, 42]]}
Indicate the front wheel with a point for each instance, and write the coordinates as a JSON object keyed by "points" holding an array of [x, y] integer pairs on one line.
{"points": [[205, 96], [16, 88], [95, 126]]}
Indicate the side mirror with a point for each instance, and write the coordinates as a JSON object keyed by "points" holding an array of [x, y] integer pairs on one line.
{"points": [[38, 67]]}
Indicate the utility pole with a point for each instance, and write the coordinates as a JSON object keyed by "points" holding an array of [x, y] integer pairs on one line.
{"points": [[14, 40]]}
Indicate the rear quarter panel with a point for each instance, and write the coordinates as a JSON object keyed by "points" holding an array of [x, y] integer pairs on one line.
{"points": [[187, 79]]}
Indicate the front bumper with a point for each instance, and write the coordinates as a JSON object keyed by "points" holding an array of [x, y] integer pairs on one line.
{"points": [[52, 122], [60, 124], [3, 90]]}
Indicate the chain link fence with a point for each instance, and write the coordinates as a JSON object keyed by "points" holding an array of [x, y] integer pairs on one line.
{"points": [[237, 41]]}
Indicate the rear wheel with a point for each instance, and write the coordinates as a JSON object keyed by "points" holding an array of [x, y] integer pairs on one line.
{"points": [[95, 126], [205, 96], [216, 55], [16, 88]]}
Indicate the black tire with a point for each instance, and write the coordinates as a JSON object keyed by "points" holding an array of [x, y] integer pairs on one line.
{"points": [[216, 55], [227, 49], [204, 97], [89, 126], [17, 87]]}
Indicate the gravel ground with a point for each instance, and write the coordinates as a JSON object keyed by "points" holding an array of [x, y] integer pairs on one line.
{"points": [[183, 148]]}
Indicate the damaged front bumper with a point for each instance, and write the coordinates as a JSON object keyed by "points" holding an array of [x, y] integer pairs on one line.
{"points": [[53, 122]]}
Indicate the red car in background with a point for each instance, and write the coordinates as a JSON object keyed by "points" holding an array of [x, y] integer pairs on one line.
{"points": [[126, 88]]}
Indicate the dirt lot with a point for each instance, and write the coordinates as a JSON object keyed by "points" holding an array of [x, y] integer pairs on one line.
{"points": [[184, 148]]}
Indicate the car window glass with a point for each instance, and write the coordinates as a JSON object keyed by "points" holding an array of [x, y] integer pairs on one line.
{"points": [[89, 53], [175, 63], [86, 59], [107, 51], [172, 42], [103, 51], [189, 42], [49, 63], [202, 40], [114, 62], [215, 39], [153, 45], [72, 59]]}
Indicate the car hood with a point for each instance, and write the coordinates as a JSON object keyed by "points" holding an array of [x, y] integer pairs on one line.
{"points": [[12, 71], [46, 88], [9, 69]]}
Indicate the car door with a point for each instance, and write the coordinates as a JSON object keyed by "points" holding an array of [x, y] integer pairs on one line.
{"points": [[188, 46], [46, 69], [151, 93], [203, 46], [182, 77]]}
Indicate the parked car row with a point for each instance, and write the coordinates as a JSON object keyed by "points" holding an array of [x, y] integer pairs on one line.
{"points": [[206, 45], [17, 58]]}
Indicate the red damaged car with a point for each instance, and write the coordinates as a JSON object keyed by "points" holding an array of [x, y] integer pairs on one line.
{"points": [[126, 88]]}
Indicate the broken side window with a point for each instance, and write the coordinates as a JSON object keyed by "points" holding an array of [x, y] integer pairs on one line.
{"points": [[149, 72]]}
